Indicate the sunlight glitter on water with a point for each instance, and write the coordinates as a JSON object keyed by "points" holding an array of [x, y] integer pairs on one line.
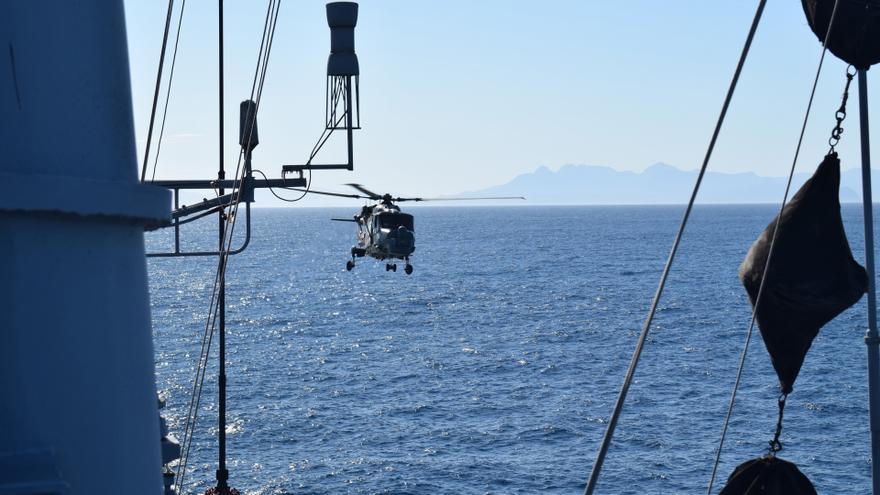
{"points": [[492, 371]]}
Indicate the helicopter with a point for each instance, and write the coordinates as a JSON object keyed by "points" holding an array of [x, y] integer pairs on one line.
{"points": [[384, 232]]}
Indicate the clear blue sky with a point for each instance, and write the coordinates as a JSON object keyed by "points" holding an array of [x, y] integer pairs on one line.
{"points": [[461, 95]]}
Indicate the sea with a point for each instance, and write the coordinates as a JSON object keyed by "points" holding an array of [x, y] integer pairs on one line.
{"points": [[493, 368]]}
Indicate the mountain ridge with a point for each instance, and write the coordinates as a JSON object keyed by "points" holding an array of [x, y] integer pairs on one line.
{"points": [[660, 183]]}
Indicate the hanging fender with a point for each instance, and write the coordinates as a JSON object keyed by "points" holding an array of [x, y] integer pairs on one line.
{"points": [[855, 36]]}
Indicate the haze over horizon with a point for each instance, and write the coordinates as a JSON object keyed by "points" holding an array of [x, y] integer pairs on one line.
{"points": [[656, 184], [659, 183], [464, 96]]}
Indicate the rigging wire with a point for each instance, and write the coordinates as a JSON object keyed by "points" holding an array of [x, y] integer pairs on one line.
{"points": [[168, 91], [260, 55], [229, 229], [289, 200], [322, 139], [201, 369], [325, 135], [198, 382], [742, 361], [158, 86], [618, 406]]}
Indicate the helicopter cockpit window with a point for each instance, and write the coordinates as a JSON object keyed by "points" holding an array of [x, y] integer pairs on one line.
{"points": [[395, 220]]}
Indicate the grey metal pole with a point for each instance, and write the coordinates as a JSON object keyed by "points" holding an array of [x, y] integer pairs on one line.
{"points": [[222, 474], [349, 122], [872, 339]]}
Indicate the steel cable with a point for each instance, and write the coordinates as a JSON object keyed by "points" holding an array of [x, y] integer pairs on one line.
{"points": [[168, 91], [219, 278], [742, 361], [158, 86], [621, 398]]}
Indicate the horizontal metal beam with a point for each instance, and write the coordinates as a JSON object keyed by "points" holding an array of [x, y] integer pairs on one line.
{"points": [[181, 254], [225, 200], [228, 184], [298, 168]]}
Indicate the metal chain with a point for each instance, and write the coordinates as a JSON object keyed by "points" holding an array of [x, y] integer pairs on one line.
{"points": [[840, 114], [775, 444], [745, 349]]}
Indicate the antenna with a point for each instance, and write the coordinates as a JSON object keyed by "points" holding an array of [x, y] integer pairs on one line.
{"points": [[342, 65], [342, 108]]}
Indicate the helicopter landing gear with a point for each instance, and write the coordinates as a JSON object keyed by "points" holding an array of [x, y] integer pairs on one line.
{"points": [[391, 267], [408, 269], [349, 265]]}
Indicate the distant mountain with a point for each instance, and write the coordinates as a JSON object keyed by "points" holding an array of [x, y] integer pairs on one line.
{"points": [[658, 184]]}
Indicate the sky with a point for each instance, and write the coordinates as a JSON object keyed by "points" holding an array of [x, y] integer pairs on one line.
{"points": [[461, 95]]}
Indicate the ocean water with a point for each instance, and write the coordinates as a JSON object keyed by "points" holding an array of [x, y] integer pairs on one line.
{"points": [[494, 367]]}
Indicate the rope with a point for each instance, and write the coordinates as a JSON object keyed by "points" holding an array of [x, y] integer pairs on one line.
{"points": [[158, 85], [325, 135], [203, 214], [229, 229], [618, 406], [168, 91], [742, 360], [289, 200]]}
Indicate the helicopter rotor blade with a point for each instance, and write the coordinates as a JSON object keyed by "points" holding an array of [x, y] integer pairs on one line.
{"points": [[461, 199], [366, 191], [373, 196], [327, 193]]}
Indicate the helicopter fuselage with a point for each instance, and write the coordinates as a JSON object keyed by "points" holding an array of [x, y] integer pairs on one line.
{"points": [[384, 232]]}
